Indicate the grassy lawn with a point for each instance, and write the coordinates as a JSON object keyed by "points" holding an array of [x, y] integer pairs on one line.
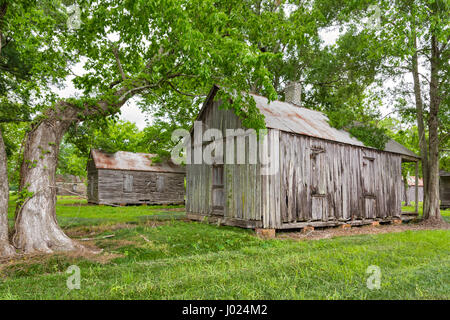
{"points": [[411, 208], [74, 212], [174, 259]]}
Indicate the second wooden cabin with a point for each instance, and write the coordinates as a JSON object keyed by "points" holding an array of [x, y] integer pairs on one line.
{"points": [[133, 178], [324, 177], [444, 189]]}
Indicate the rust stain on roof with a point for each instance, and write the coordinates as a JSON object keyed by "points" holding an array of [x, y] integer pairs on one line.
{"points": [[287, 117], [130, 161], [291, 118]]}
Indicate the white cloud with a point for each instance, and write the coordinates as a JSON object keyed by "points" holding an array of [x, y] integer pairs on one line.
{"points": [[131, 112]]}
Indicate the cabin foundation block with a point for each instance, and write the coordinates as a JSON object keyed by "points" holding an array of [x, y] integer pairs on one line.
{"points": [[307, 229], [397, 221], [265, 233], [375, 223], [345, 226]]}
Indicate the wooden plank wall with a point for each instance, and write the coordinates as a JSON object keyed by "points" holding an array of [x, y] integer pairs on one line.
{"points": [[317, 180], [444, 191], [140, 187], [242, 182], [326, 181], [271, 192]]}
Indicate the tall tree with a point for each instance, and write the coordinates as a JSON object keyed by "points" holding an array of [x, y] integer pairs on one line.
{"points": [[412, 39], [133, 48], [26, 55]]}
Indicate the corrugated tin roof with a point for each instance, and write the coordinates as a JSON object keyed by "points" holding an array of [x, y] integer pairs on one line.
{"points": [[123, 160], [291, 118], [394, 146]]}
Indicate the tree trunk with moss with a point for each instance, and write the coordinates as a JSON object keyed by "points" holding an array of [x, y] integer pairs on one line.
{"points": [[433, 212], [36, 227]]}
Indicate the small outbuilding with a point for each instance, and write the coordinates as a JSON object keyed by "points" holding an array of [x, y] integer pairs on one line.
{"points": [[123, 178], [70, 185], [320, 176], [409, 195], [444, 189]]}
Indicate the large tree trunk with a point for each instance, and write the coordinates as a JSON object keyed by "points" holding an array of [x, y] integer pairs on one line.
{"points": [[433, 212], [36, 227], [423, 145], [5, 248]]}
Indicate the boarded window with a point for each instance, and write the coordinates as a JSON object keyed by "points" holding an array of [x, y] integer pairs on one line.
{"points": [[91, 186], [218, 196], [127, 183], [368, 175], [369, 188], [318, 175], [160, 183], [318, 172]]}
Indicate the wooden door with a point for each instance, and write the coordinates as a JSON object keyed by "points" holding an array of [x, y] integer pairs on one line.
{"points": [[369, 187], [318, 185], [218, 194]]}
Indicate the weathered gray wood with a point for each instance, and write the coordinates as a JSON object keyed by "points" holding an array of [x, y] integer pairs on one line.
{"points": [[416, 199], [318, 181], [136, 187], [234, 222]]}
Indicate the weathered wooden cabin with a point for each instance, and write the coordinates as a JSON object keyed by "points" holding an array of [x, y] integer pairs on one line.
{"points": [[325, 177], [70, 185], [444, 189], [132, 178], [409, 195]]}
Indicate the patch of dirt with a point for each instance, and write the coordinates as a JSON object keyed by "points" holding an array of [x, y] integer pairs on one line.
{"points": [[90, 231], [328, 233], [171, 209], [91, 253]]}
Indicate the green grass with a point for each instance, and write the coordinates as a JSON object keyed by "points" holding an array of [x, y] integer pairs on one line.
{"points": [[411, 208], [182, 260], [73, 212]]}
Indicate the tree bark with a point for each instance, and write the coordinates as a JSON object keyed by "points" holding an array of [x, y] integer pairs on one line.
{"points": [[433, 211], [36, 227], [6, 249], [423, 145]]}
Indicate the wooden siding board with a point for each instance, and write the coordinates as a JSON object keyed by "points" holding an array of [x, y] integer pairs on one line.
{"points": [[340, 178]]}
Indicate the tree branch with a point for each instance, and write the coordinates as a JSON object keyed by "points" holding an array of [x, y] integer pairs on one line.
{"points": [[119, 65], [183, 93], [137, 89]]}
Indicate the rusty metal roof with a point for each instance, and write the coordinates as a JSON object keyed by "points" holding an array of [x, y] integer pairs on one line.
{"points": [[291, 118], [130, 161]]}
